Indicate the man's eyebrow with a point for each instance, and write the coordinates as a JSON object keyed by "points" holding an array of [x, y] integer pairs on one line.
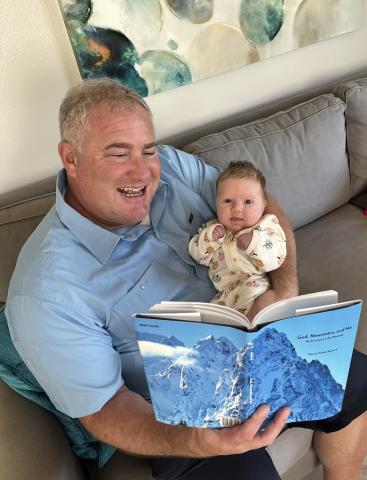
{"points": [[128, 145]]}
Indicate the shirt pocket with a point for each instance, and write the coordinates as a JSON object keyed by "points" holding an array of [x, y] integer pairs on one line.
{"points": [[157, 283]]}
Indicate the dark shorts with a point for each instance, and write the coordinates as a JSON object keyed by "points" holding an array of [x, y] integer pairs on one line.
{"points": [[253, 465], [257, 464]]}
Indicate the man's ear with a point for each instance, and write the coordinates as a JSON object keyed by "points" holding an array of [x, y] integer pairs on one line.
{"points": [[68, 157]]}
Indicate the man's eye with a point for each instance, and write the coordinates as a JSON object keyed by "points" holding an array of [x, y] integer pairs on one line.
{"points": [[149, 153], [119, 155], [248, 201]]}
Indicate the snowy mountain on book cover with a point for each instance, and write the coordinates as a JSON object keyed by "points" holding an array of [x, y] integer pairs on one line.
{"points": [[211, 381]]}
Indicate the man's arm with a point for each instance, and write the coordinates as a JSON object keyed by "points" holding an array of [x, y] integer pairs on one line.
{"points": [[127, 422], [284, 280]]}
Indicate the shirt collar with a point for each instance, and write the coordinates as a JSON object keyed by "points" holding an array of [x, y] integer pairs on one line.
{"points": [[98, 240]]}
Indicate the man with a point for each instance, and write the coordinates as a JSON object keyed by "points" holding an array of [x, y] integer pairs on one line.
{"points": [[116, 243]]}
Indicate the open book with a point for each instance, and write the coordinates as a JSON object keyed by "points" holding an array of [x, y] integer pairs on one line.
{"points": [[208, 366]]}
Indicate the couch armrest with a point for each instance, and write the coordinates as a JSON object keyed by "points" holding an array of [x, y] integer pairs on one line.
{"points": [[32, 442]]}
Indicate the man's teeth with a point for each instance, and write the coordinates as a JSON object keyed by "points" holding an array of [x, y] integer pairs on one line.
{"points": [[131, 192]]}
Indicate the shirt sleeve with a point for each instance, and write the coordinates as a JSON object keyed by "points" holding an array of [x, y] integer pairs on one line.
{"points": [[268, 246], [69, 354], [194, 172]]}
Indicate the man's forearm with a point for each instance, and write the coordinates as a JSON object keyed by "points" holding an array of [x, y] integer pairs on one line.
{"points": [[127, 422], [284, 279]]}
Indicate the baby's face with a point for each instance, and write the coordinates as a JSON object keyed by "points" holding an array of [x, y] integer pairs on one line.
{"points": [[240, 203]]}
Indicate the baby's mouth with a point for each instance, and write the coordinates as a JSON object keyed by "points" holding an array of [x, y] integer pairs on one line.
{"points": [[131, 192]]}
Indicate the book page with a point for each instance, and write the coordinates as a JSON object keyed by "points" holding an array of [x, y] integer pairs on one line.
{"points": [[287, 308], [324, 308], [188, 316], [209, 312], [223, 315]]}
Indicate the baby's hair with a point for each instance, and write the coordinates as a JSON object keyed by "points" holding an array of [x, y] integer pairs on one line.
{"points": [[242, 169]]}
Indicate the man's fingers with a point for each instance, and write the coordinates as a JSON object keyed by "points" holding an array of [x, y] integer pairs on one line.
{"points": [[269, 434], [248, 436], [253, 424]]}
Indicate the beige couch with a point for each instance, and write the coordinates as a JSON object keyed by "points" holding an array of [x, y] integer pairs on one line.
{"points": [[314, 157]]}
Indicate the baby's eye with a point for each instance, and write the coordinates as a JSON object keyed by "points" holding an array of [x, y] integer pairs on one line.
{"points": [[227, 200], [248, 201]]}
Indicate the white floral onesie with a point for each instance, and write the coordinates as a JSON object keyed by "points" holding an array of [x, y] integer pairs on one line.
{"points": [[240, 275]]}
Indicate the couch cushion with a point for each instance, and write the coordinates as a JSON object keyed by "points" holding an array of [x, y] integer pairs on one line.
{"points": [[290, 447], [17, 222], [332, 254], [301, 151], [14, 372], [354, 93]]}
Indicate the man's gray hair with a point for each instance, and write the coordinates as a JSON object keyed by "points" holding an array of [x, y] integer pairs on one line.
{"points": [[84, 97]]}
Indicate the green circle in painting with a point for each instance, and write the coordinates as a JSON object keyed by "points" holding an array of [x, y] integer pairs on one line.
{"points": [[261, 20], [217, 49], [77, 9], [163, 70], [195, 11]]}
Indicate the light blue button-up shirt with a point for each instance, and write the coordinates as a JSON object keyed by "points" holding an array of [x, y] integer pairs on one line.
{"points": [[76, 286]]}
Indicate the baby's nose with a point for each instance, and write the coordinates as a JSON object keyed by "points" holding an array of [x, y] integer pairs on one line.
{"points": [[237, 206]]}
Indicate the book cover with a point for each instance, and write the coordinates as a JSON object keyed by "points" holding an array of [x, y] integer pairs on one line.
{"points": [[209, 375]]}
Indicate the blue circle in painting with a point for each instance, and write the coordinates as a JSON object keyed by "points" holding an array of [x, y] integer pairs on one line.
{"points": [[261, 20], [163, 70], [77, 9], [194, 11]]}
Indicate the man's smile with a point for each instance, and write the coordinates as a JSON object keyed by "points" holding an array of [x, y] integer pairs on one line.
{"points": [[131, 192]]}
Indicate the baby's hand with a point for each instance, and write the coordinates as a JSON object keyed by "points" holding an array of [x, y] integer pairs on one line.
{"points": [[218, 232]]}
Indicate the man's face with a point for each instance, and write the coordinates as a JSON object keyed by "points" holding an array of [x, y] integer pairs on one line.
{"points": [[113, 179], [240, 203]]}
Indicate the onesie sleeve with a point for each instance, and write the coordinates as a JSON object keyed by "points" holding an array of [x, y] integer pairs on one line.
{"points": [[202, 246], [268, 247]]}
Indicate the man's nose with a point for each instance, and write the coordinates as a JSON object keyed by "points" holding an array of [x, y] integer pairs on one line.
{"points": [[138, 166]]}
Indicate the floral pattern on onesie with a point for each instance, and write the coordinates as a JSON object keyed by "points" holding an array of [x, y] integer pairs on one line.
{"points": [[240, 276]]}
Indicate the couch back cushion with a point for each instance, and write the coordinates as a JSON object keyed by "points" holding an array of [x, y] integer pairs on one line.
{"points": [[354, 94], [301, 151], [17, 222]]}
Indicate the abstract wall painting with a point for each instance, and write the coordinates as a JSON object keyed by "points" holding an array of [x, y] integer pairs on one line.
{"points": [[156, 45]]}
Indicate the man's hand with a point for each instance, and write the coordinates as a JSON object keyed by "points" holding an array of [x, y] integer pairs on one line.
{"points": [[218, 232], [241, 438], [244, 240], [267, 298]]}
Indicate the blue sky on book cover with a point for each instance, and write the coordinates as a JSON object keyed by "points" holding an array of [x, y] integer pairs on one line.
{"points": [[200, 373]]}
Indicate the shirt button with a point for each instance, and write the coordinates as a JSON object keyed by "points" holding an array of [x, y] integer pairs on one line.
{"points": [[142, 287]]}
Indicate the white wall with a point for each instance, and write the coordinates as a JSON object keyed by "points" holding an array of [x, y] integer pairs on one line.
{"points": [[37, 66]]}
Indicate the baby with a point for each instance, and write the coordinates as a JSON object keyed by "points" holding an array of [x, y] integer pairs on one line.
{"points": [[242, 244]]}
